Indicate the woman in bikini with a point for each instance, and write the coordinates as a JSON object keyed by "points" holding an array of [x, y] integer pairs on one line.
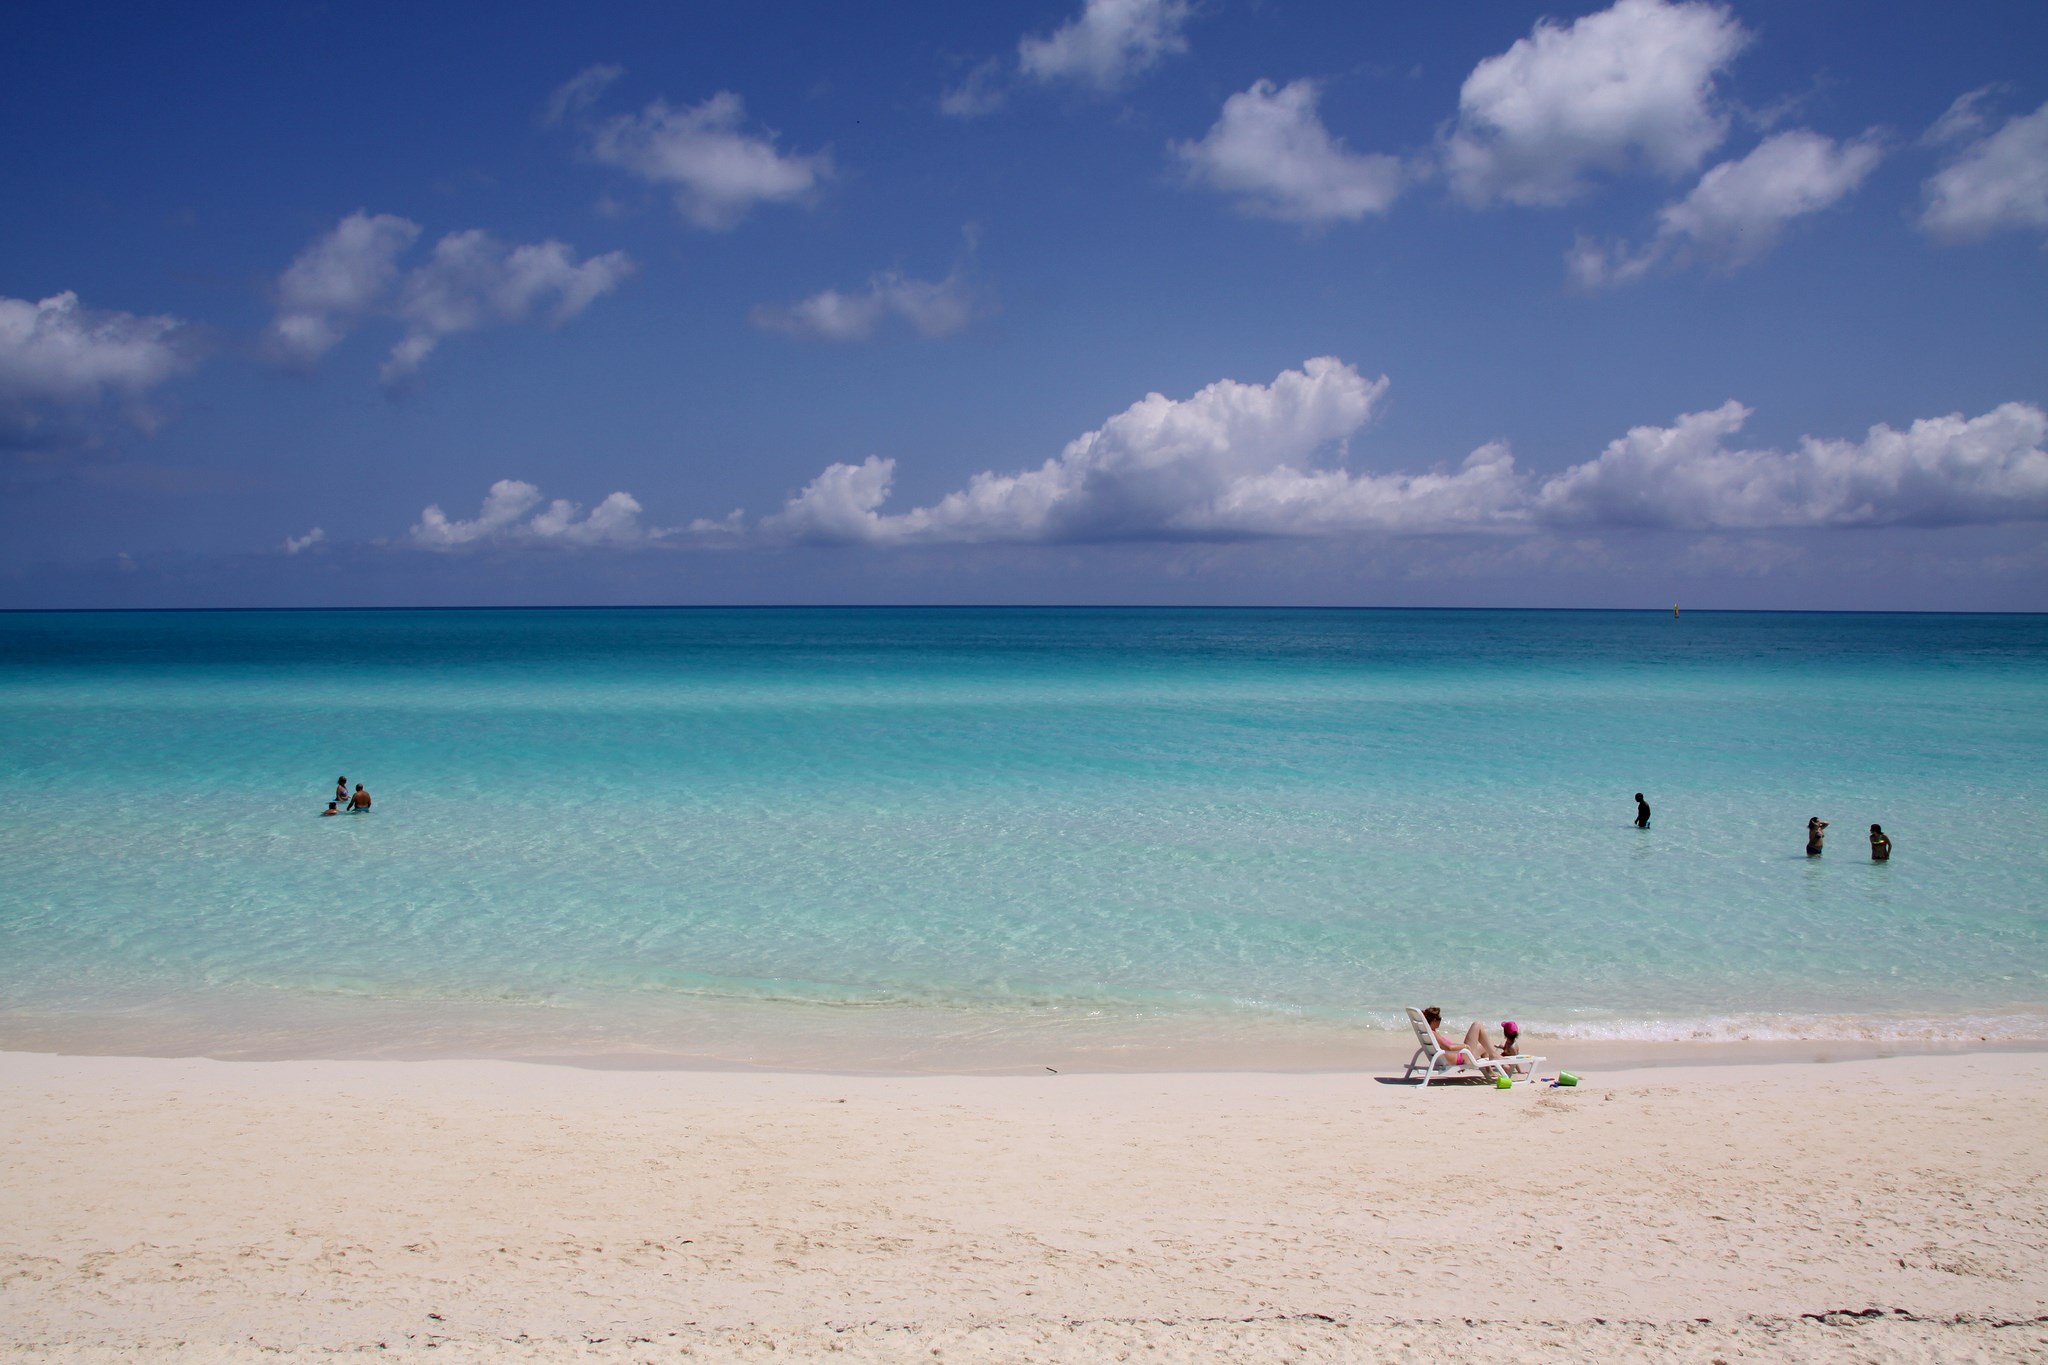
{"points": [[1477, 1046]]}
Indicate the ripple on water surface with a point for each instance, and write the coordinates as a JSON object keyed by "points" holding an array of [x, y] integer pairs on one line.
{"points": [[909, 837]]}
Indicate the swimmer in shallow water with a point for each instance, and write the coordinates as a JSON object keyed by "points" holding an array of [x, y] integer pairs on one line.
{"points": [[1816, 832], [1642, 812], [1880, 845], [360, 801], [333, 808]]}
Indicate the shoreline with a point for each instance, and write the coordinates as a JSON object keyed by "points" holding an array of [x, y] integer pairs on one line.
{"points": [[1873, 1210], [1387, 1054]]}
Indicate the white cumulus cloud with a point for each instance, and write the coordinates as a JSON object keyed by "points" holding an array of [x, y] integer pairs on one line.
{"points": [[1107, 43], [336, 281], [294, 544], [1241, 461], [1163, 467], [1736, 212], [1633, 84], [1940, 471], [716, 169], [59, 358], [1270, 149], [471, 280], [1995, 182], [933, 308], [474, 280], [513, 513], [1101, 49]]}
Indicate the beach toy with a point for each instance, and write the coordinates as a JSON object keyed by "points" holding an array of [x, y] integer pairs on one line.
{"points": [[1502, 1083], [1567, 1078]]}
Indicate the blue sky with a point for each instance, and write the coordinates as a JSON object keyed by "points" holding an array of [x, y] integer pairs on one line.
{"points": [[1124, 301]]}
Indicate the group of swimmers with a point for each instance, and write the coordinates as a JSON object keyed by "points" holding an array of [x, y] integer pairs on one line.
{"points": [[356, 804], [1816, 835]]}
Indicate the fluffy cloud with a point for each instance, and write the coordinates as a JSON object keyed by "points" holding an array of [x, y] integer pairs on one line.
{"points": [[471, 280], [1271, 150], [1162, 467], [1101, 49], [59, 358], [513, 514], [717, 171], [1735, 213], [1634, 83], [1994, 182], [1107, 43], [474, 279], [1240, 461], [934, 308], [1940, 471], [334, 282], [294, 544]]}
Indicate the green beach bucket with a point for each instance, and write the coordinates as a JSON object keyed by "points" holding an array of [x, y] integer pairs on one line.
{"points": [[1567, 1078]]}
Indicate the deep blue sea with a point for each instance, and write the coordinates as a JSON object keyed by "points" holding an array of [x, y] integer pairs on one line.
{"points": [[984, 838]]}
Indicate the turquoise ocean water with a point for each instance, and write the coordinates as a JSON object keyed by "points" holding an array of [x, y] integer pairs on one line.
{"points": [[967, 838]]}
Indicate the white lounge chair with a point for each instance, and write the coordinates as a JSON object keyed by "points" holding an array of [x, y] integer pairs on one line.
{"points": [[1432, 1060]]}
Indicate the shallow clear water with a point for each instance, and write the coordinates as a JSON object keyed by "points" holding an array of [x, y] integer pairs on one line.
{"points": [[975, 837]]}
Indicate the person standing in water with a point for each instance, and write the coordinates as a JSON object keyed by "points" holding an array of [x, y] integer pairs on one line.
{"points": [[361, 800], [1816, 832], [1642, 812], [1880, 845], [341, 789]]}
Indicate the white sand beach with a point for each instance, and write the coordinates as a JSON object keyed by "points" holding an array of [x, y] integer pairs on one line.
{"points": [[191, 1210]]}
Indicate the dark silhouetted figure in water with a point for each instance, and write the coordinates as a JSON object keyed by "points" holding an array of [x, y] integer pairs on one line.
{"points": [[1816, 832], [1880, 845], [1642, 812]]}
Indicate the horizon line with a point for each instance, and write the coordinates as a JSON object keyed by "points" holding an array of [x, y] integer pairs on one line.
{"points": [[1019, 606]]}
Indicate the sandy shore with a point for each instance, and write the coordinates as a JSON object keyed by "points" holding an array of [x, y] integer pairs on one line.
{"points": [[1885, 1210]]}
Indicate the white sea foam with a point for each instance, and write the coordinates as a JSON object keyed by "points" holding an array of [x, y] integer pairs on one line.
{"points": [[2009, 1027]]}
